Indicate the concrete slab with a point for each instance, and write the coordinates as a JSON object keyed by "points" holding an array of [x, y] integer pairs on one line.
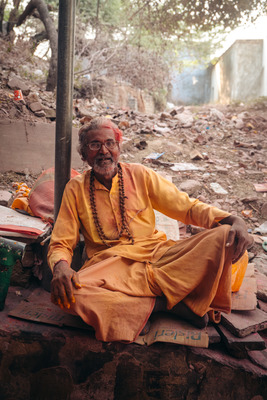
{"points": [[23, 147]]}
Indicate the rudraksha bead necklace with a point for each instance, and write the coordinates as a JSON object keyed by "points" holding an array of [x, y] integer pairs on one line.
{"points": [[124, 225]]}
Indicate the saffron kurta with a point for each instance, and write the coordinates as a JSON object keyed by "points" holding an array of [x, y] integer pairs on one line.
{"points": [[120, 283]]}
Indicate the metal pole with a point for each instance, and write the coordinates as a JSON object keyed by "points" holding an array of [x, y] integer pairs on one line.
{"points": [[66, 27]]}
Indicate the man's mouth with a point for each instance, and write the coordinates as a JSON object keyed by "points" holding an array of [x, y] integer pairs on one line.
{"points": [[104, 160]]}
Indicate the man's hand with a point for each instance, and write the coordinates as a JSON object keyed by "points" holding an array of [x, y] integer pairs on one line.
{"points": [[64, 279], [238, 234]]}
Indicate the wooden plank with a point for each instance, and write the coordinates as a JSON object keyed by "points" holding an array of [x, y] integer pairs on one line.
{"points": [[259, 357], [243, 323], [237, 346]]}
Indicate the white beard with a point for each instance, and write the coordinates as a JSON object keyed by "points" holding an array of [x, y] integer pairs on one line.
{"points": [[108, 170]]}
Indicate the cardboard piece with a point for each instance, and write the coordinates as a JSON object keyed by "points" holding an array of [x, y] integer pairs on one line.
{"points": [[238, 346], [166, 328], [243, 323], [38, 308], [246, 299]]}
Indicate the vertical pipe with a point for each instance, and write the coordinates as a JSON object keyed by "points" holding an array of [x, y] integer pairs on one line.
{"points": [[66, 27]]}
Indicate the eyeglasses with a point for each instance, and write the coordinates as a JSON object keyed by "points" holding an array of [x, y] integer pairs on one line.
{"points": [[109, 144]]}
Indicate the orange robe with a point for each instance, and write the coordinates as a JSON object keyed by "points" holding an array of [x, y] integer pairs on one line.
{"points": [[120, 283]]}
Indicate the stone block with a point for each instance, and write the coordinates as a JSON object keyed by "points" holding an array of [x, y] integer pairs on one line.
{"points": [[261, 280], [35, 106], [243, 323], [238, 346], [16, 83]]}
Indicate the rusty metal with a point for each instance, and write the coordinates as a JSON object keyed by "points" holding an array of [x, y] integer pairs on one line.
{"points": [[66, 36]]}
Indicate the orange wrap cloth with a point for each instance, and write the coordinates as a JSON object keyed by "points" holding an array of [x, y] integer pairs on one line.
{"points": [[120, 283]]}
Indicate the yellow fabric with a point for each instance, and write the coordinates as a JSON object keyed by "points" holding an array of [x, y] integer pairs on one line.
{"points": [[22, 203], [120, 283], [238, 272]]}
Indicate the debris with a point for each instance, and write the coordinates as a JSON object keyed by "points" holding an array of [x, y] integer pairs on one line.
{"points": [[40, 113], [264, 210], [36, 106], [185, 167], [217, 114], [85, 120], [5, 198], [154, 156], [200, 139], [141, 145], [260, 187], [50, 113], [18, 95], [185, 119], [190, 186], [247, 213], [262, 229], [161, 130], [196, 155], [124, 124], [16, 83], [217, 188]]}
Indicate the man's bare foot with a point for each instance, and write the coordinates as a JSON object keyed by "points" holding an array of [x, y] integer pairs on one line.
{"points": [[183, 312], [146, 329]]}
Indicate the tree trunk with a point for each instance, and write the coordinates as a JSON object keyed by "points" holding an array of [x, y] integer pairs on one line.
{"points": [[37, 39], [13, 16], [3, 4], [50, 28]]}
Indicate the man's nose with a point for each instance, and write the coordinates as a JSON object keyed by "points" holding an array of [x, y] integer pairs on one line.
{"points": [[103, 149]]}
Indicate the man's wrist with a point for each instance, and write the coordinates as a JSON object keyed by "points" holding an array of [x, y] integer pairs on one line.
{"points": [[60, 264]]}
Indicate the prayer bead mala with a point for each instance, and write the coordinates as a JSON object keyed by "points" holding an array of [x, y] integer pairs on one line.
{"points": [[124, 225]]}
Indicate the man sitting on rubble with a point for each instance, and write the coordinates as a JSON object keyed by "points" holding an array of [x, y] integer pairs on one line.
{"points": [[132, 269]]}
